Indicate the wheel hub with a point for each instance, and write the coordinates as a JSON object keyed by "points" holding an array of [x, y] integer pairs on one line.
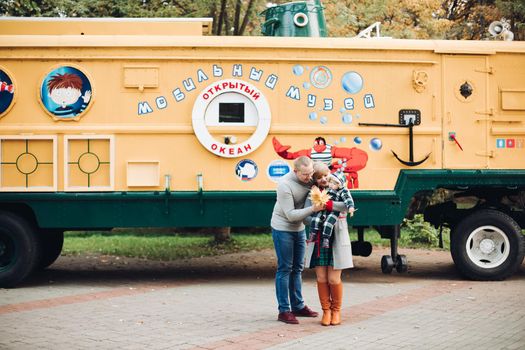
{"points": [[487, 246]]}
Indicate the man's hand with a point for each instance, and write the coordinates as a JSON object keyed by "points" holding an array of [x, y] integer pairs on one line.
{"points": [[318, 207]]}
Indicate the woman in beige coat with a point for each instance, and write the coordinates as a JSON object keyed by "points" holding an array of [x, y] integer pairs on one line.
{"points": [[329, 263]]}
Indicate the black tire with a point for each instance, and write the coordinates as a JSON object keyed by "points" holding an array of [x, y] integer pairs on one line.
{"points": [[401, 263], [487, 246], [356, 248], [51, 243], [366, 249], [387, 264], [19, 249]]}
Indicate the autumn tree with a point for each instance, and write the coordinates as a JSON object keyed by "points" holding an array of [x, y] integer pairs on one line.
{"points": [[415, 19], [399, 18], [230, 17], [233, 17], [514, 12]]}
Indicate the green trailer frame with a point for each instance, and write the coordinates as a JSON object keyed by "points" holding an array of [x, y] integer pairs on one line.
{"points": [[77, 210]]}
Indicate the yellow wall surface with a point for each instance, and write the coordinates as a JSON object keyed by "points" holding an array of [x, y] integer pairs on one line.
{"points": [[144, 96]]}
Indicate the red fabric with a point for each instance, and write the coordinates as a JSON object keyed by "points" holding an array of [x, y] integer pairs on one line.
{"points": [[330, 205], [318, 244]]}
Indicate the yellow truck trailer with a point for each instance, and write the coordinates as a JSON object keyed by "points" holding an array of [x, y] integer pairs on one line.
{"points": [[134, 122]]}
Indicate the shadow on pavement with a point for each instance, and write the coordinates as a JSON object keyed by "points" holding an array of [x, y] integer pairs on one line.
{"points": [[97, 270]]}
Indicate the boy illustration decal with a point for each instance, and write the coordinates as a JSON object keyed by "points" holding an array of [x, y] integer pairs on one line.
{"points": [[66, 93]]}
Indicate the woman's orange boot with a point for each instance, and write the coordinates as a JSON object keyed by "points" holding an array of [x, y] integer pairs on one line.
{"points": [[336, 291], [324, 298]]}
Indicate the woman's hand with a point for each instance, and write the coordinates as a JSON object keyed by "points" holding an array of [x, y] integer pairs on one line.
{"points": [[351, 211]]}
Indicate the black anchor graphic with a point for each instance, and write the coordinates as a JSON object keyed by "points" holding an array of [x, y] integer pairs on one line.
{"points": [[407, 119]]}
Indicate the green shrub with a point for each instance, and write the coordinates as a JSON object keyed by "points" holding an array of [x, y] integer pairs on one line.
{"points": [[420, 231]]}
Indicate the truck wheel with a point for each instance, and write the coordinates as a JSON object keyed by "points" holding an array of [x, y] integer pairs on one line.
{"points": [[360, 248], [487, 246], [18, 249], [387, 264], [51, 242], [356, 248], [366, 249], [401, 263]]}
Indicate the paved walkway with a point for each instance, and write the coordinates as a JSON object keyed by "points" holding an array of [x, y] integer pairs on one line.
{"points": [[140, 306]]}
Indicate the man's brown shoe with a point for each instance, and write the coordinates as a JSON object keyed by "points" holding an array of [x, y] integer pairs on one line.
{"points": [[287, 317], [305, 312]]}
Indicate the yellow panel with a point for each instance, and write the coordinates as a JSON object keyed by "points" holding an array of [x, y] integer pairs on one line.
{"points": [[464, 114], [34, 163], [42, 177], [11, 177], [76, 177], [76, 149], [143, 174], [105, 26], [513, 100], [141, 77], [89, 163], [42, 149], [100, 148], [11, 149], [101, 177]]}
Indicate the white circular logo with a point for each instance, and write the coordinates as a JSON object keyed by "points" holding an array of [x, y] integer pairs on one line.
{"points": [[277, 169], [245, 89], [246, 170]]}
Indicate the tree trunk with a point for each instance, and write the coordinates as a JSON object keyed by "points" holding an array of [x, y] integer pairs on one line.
{"points": [[222, 16], [237, 17], [246, 17], [222, 234], [227, 26]]}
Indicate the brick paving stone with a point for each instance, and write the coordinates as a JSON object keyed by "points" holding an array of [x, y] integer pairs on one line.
{"points": [[387, 312]]}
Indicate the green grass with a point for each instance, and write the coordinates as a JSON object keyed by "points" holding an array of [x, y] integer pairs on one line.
{"points": [[165, 246], [405, 240], [159, 247]]}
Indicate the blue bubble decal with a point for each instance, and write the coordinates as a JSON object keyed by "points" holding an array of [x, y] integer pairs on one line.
{"points": [[343, 139], [321, 77], [312, 116], [352, 82], [376, 144], [306, 85], [347, 118], [323, 120], [298, 70], [357, 140]]}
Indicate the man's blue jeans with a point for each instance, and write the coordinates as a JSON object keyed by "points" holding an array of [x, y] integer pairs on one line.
{"points": [[290, 248]]}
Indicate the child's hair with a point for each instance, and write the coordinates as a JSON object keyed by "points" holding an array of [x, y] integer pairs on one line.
{"points": [[62, 81], [333, 180], [339, 178]]}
